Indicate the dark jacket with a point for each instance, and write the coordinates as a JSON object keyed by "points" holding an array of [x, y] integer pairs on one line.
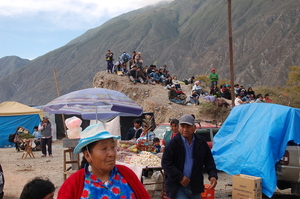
{"points": [[143, 75], [172, 94], [227, 94], [173, 164], [133, 73], [130, 134], [168, 82], [214, 90]]}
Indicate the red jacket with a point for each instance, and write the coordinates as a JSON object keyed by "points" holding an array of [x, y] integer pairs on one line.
{"points": [[73, 186]]}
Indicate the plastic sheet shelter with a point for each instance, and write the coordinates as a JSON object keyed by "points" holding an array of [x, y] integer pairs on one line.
{"points": [[14, 114], [253, 139]]}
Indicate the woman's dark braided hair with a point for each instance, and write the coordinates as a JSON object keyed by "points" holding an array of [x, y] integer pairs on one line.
{"points": [[90, 146]]}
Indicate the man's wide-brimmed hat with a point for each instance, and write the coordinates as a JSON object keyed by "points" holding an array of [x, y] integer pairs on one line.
{"points": [[91, 134]]}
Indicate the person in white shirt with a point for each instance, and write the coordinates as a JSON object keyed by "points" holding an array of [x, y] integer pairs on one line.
{"points": [[176, 82], [238, 101], [197, 87]]}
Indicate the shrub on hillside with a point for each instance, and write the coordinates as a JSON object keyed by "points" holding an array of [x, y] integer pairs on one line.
{"points": [[214, 112], [286, 95]]}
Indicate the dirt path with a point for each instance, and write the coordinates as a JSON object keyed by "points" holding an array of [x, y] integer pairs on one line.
{"points": [[18, 171]]}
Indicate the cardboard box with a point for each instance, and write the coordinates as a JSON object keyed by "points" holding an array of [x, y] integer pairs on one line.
{"points": [[208, 194], [246, 187]]}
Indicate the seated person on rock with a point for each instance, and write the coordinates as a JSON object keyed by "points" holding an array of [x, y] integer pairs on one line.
{"points": [[243, 93], [238, 100], [124, 70], [191, 80], [176, 82], [197, 87], [156, 77], [145, 76], [168, 83], [151, 70], [246, 98], [227, 92], [237, 89], [136, 131], [162, 75], [142, 75], [173, 95], [134, 75], [267, 98], [215, 91], [259, 98], [167, 74], [251, 92], [194, 98]]}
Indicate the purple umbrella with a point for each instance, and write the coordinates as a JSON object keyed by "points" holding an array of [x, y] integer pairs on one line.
{"points": [[94, 103]]}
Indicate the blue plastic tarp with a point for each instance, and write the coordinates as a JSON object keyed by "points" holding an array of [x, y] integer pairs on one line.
{"points": [[9, 124], [253, 139]]}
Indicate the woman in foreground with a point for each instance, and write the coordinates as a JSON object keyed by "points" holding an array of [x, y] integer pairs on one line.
{"points": [[101, 177]]}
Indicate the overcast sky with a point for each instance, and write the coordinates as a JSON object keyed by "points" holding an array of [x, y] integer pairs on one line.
{"points": [[31, 28]]}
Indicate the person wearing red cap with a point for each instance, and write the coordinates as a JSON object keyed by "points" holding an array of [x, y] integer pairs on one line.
{"points": [[213, 77]]}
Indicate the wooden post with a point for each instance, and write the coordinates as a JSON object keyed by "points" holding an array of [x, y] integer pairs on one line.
{"points": [[231, 53], [58, 94]]}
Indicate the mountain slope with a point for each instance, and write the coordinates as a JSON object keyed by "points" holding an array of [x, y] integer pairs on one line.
{"points": [[11, 63], [189, 36]]}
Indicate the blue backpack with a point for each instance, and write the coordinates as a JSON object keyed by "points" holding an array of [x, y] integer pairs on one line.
{"points": [[125, 58]]}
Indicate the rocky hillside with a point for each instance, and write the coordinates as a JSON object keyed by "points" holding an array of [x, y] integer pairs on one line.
{"points": [[189, 36], [11, 63], [152, 98]]}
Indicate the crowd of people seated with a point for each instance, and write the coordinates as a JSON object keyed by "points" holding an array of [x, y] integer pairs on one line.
{"points": [[132, 66], [246, 95]]}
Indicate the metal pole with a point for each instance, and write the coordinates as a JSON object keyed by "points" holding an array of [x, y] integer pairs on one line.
{"points": [[58, 94], [231, 53]]}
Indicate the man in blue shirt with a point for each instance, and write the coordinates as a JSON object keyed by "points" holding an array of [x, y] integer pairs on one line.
{"points": [[125, 58], [183, 160]]}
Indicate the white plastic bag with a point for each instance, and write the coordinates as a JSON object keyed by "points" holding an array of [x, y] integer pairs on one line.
{"points": [[157, 177]]}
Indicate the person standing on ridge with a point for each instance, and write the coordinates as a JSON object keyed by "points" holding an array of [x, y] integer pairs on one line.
{"points": [[109, 60], [139, 60], [125, 58], [133, 58], [213, 77]]}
